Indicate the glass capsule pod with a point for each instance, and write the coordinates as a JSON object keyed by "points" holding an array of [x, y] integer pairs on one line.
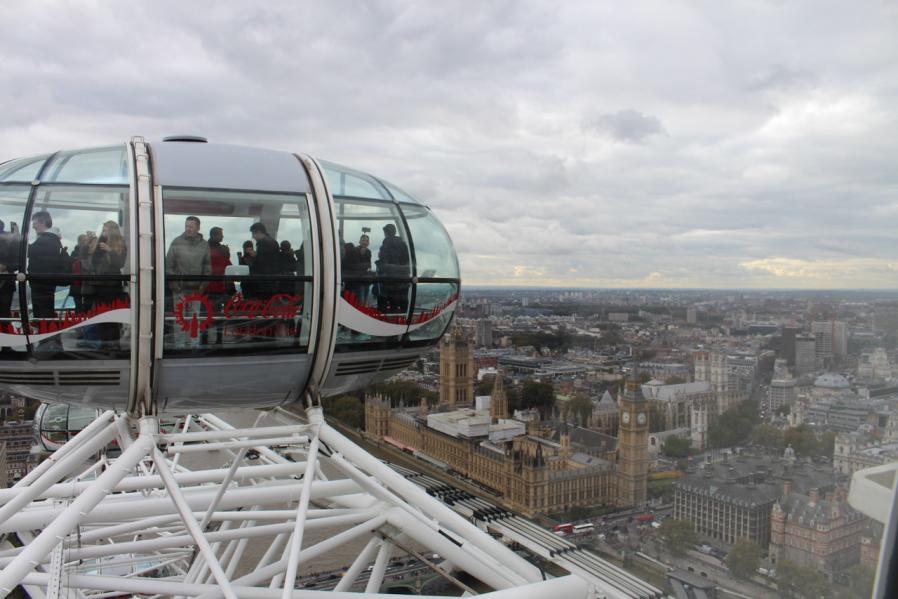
{"points": [[55, 424], [198, 276]]}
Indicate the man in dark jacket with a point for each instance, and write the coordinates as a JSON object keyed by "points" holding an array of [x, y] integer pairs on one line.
{"points": [[393, 261], [45, 257], [9, 263], [266, 262]]}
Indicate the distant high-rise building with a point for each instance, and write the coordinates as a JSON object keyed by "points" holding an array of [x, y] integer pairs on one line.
{"points": [[484, 333], [781, 392], [788, 346], [805, 354], [885, 320], [691, 315], [831, 340], [457, 369]]}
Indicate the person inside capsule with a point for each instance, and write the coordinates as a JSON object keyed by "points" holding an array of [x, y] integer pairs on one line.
{"points": [[188, 255], [105, 255], [9, 260], [393, 261], [45, 257]]}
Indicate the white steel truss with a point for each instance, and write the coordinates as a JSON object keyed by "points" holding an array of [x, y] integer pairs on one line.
{"points": [[146, 524]]}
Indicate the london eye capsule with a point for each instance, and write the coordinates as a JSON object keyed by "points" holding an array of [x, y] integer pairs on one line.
{"points": [[199, 276]]}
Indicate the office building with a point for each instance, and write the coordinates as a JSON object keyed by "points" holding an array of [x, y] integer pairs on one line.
{"points": [[787, 350], [781, 392], [805, 354], [484, 333]]}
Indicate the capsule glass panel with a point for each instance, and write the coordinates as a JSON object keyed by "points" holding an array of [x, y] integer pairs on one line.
{"points": [[235, 271], [398, 194], [347, 182], [376, 269], [13, 339], [23, 170], [434, 255], [435, 305], [78, 272], [106, 166]]}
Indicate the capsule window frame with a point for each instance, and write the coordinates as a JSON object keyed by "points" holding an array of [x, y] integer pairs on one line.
{"points": [[304, 346]]}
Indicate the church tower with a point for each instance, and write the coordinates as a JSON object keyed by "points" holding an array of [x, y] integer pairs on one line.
{"points": [[632, 446], [457, 369], [498, 399]]}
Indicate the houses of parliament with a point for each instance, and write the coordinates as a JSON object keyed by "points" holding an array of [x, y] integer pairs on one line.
{"points": [[533, 465]]}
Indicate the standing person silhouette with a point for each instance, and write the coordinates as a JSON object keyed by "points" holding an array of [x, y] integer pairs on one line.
{"points": [[393, 262], [187, 255]]}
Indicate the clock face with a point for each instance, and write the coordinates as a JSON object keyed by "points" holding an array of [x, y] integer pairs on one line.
{"points": [[626, 417], [640, 418]]}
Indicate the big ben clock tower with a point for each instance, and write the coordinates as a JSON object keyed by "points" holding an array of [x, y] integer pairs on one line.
{"points": [[632, 446]]}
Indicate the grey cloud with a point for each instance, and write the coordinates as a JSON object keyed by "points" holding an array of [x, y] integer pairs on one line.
{"points": [[628, 126], [780, 151]]}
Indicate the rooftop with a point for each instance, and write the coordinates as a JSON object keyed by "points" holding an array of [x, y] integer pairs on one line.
{"points": [[755, 479]]}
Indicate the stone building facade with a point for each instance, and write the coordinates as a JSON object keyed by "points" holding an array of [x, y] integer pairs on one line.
{"points": [[536, 469], [532, 473], [633, 458], [18, 438], [457, 370], [820, 533], [855, 451]]}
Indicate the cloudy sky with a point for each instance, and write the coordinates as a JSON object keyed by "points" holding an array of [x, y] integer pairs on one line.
{"points": [[591, 144]]}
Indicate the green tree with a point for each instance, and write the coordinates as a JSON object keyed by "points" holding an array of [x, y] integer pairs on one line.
{"points": [[743, 559], [768, 436], [677, 535], [676, 447], [734, 426], [348, 409], [803, 440], [581, 408], [798, 582], [674, 380], [538, 395]]}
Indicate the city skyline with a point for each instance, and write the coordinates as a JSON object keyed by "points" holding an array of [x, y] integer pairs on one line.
{"points": [[584, 145]]}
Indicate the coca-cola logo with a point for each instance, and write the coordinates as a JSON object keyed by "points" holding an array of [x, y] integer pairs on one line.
{"points": [[280, 305], [187, 313]]}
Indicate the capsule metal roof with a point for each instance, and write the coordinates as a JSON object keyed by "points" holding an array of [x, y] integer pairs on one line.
{"points": [[221, 166]]}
